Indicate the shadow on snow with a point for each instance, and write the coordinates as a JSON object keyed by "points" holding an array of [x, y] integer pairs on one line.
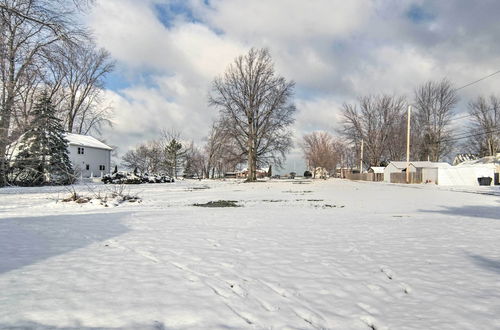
{"points": [[486, 263], [27, 240], [476, 211]]}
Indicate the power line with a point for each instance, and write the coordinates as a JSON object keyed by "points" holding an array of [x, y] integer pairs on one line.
{"points": [[478, 80], [471, 135], [470, 115]]}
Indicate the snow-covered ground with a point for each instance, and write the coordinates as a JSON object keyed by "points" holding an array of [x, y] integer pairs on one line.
{"points": [[326, 254]]}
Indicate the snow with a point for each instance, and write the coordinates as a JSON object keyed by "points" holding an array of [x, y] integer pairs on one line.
{"points": [[419, 164], [328, 254], [85, 141], [378, 169]]}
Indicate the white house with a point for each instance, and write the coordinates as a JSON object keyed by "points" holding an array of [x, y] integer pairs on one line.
{"points": [[89, 156]]}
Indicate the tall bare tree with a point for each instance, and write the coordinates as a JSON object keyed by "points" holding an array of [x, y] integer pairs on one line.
{"points": [[256, 108], [485, 126], [79, 73], [434, 102], [376, 121], [27, 27]]}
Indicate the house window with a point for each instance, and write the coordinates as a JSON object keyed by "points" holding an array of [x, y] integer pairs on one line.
{"points": [[87, 167], [81, 150], [102, 167]]}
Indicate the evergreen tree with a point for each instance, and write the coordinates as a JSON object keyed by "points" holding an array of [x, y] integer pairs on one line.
{"points": [[43, 151], [174, 153]]}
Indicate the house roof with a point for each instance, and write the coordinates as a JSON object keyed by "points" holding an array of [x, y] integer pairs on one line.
{"points": [[402, 165], [85, 141], [482, 161], [377, 169]]}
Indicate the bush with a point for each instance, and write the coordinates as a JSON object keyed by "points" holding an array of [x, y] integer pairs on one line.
{"points": [[133, 178]]}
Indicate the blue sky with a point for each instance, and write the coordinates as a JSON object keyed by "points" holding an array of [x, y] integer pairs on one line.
{"points": [[168, 53]]}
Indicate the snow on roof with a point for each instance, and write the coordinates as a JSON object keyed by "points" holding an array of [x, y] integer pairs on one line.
{"points": [[402, 165], [377, 169], [398, 164], [85, 141], [494, 160]]}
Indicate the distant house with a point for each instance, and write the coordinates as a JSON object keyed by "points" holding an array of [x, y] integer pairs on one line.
{"points": [[467, 172], [460, 158], [261, 173], [320, 173], [89, 156]]}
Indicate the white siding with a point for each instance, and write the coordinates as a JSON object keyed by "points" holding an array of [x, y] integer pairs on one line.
{"points": [[464, 175], [93, 157]]}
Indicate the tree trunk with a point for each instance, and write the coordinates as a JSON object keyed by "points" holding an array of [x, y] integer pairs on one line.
{"points": [[4, 127]]}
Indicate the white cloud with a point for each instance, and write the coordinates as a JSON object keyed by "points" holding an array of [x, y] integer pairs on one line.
{"points": [[335, 50]]}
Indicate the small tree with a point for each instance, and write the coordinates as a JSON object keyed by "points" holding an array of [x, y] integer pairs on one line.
{"points": [[43, 151], [174, 151], [320, 151]]}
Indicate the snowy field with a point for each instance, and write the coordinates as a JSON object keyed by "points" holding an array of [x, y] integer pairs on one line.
{"points": [[297, 255]]}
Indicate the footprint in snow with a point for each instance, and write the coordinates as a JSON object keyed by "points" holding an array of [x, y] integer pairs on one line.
{"points": [[267, 306], [406, 288], [372, 323], [238, 290], [367, 308], [387, 271], [310, 317]]}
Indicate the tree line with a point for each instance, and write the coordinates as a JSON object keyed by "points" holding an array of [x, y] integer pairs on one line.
{"points": [[45, 50], [380, 123]]}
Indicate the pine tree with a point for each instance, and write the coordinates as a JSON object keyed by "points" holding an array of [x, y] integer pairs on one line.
{"points": [[174, 155], [43, 151]]}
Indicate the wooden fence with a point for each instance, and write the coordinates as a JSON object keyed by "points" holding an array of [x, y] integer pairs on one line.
{"points": [[365, 176], [415, 177]]}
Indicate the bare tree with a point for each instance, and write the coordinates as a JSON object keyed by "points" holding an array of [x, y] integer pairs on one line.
{"points": [[221, 153], [79, 73], [195, 162], [485, 126], [377, 122], [27, 27], [256, 109], [434, 102], [320, 150], [146, 157]]}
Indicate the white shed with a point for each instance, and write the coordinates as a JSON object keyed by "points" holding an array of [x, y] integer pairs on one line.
{"points": [[395, 167], [428, 168], [376, 169], [89, 156]]}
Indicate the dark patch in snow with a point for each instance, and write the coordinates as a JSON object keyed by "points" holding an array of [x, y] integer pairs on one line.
{"points": [[219, 203]]}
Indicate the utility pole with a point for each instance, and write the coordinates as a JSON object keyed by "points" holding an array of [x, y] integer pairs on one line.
{"points": [[408, 147], [361, 158]]}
